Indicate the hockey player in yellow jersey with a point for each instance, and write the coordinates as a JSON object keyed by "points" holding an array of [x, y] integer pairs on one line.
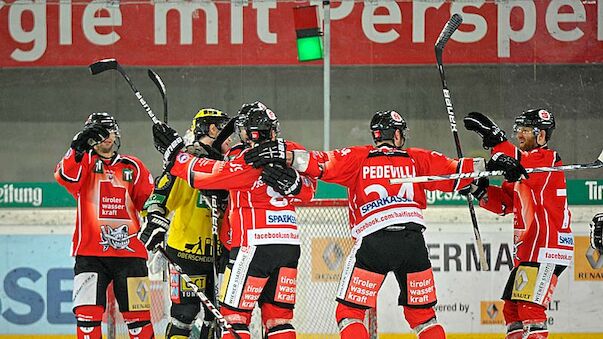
{"points": [[190, 238]]}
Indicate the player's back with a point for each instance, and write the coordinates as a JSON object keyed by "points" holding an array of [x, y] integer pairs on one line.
{"points": [[367, 170]]}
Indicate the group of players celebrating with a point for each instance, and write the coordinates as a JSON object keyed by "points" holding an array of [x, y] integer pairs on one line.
{"points": [[246, 192]]}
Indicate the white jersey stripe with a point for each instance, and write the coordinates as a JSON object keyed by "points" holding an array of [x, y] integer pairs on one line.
{"points": [[348, 269]]}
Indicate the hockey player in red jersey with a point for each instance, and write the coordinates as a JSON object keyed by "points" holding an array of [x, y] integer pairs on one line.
{"points": [[543, 241], [386, 220], [233, 152], [110, 189], [264, 235]]}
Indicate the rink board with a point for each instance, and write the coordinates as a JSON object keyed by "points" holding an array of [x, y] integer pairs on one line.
{"points": [[36, 276]]}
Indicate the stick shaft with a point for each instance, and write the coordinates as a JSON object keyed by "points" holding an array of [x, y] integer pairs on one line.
{"points": [[162, 90], [475, 175], [450, 27], [141, 100]]}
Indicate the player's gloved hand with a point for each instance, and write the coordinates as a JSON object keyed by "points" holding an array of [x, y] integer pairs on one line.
{"points": [[512, 168], [267, 152], [490, 133], [596, 232], [284, 180], [157, 262], [167, 142], [153, 231], [89, 137], [478, 188]]}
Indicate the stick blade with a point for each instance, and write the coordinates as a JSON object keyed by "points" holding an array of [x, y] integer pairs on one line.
{"points": [[451, 26], [157, 80], [102, 65]]}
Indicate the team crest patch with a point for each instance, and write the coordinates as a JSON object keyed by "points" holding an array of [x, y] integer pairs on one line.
{"points": [[544, 115], [183, 157], [270, 114], [117, 238], [396, 116], [127, 174], [98, 166]]}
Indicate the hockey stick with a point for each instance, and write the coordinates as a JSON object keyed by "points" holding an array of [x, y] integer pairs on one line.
{"points": [[224, 134], [159, 83], [210, 306], [212, 201], [107, 64], [430, 178], [451, 26]]}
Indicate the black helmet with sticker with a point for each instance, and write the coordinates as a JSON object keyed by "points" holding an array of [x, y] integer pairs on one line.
{"points": [[107, 121], [539, 119], [261, 121], [385, 123]]}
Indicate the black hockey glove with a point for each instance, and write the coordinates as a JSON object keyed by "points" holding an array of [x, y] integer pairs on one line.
{"points": [[478, 188], [512, 168], [90, 136], [167, 142], [491, 134], [284, 180], [267, 152], [596, 233], [153, 231]]}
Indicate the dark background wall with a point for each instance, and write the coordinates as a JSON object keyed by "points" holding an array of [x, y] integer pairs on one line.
{"points": [[42, 108]]}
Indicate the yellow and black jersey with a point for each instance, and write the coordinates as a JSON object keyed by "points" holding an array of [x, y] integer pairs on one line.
{"points": [[190, 228]]}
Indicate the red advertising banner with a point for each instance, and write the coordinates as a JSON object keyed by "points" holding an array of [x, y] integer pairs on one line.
{"points": [[240, 32]]}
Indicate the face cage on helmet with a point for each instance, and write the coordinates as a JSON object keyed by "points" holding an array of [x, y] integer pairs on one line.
{"points": [[260, 135], [202, 128], [264, 135], [109, 123]]}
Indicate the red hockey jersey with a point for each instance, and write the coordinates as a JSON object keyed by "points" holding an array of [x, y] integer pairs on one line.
{"points": [[258, 215], [225, 229], [366, 170], [542, 231], [109, 193]]}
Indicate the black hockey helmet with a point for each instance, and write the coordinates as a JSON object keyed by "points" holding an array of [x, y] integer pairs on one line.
{"points": [[260, 122], [244, 112], [107, 121], [385, 123], [539, 119], [205, 118], [104, 119]]}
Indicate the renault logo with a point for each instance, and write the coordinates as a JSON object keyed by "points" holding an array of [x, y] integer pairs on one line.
{"points": [[332, 255], [492, 311], [142, 291], [590, 256], [521, 280]]}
